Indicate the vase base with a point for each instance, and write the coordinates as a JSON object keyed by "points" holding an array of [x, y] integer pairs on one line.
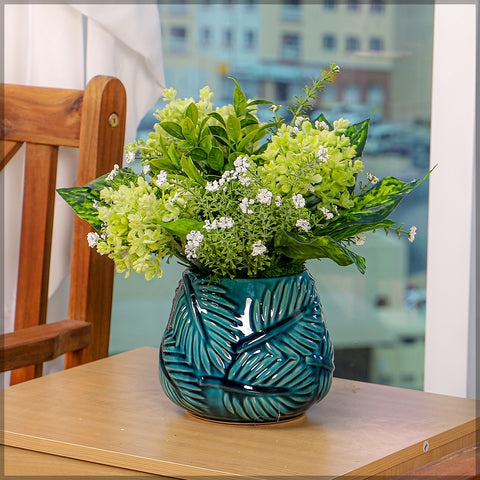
{"points": [[299, 418]]}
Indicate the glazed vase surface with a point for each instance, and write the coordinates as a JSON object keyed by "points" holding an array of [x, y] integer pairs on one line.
{"points": [[246, 350]]}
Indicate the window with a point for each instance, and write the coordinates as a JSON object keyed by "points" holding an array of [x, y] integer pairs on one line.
{"points": [[178, 39], [352, 44], [377, 6], [227, 38], [205, 36], [330, 4], [353, 5], [291, 46], [329, 42], [291, 10], [376, 44], [250, 39]]}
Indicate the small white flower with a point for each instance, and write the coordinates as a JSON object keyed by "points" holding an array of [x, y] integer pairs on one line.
{"points": [[303, 224], [321, 125], [212, 186], [194, 238], [323, 154], [146, 169], [95, 204], [113, 173], [244, 180], [372, 178], [258, 248], [264, 196], [244, 205], [298, 200], [210, 226], [92, 239], [275, 108], [328, 214], [225, 222], [359, 239], [278, 201], [296, 131], [412, 233], [161, 178], [299, 121], [129, 157]]}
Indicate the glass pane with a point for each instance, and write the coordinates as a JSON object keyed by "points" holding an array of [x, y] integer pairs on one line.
{"points": [[384, 51]]}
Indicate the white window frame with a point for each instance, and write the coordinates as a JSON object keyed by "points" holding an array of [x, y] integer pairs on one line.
{"points": [[450, 315]]}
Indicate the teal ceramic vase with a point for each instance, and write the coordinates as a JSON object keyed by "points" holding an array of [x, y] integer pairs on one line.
{"points": [[246, 350]]}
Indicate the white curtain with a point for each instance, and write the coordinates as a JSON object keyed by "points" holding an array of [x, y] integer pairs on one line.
{"points": [[65, 45]]}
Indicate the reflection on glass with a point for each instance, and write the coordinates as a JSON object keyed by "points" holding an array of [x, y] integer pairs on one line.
{"points": [[385, 54]]}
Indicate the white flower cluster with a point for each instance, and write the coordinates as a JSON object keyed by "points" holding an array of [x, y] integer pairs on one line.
{"points": [[146, 169], [258, 248], [322, 154], [222, 222], [129, 157], [194, 238], [298, 200], [161, 178], [244, 205], [264, 196], [412, 233], [359, 239], [372, 178], [240, 173], [328, 214], [303, 225], [321, 125], [92, 239], [113, 173]]}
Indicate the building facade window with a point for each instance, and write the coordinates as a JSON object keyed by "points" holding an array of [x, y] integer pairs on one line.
{"points": [[353, 5], [330, 4], [377, 6], [205, 37], [227, 38], [352, 44], [290, 48], [250, 39], [178, 39], [329, 42], [375, 44], [291, 10]]}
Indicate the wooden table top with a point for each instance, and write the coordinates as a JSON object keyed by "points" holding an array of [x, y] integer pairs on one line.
{"points": [[114, 412]]}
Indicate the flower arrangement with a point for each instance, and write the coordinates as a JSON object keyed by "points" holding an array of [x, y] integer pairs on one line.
{"points": [[231, 196]]}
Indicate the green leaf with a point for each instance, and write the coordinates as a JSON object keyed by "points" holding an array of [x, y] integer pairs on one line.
{"points": [[215, 159], [188, 131], [295, 246], [162, 164], [249, 138], [191, 170], [182, 226], [234, 129], [259, 102], [248, 120], [358, 135], [217, 117], [239, 98], [198, 154], [371, 209], [81, 199], [192, 113], [173, 155], [173, 129]]}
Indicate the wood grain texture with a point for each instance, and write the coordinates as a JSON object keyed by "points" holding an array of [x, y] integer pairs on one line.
{"points": [[358, 431], [48, 116], [8, 149], [42, 343], [45, 119], [100, 140]]}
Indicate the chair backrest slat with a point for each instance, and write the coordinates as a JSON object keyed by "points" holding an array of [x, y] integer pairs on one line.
{"points": [[45, 119], [42, 115]]}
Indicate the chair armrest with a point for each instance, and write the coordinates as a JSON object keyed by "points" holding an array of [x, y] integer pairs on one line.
{"points": [[35, 345]]}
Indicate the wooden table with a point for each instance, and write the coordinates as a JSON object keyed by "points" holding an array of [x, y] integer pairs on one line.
{"points": [[111, 417]]}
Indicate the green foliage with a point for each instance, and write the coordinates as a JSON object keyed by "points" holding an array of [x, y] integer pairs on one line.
{"points": [[235, 197]]}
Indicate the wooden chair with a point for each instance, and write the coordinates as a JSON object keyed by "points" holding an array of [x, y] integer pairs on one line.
{"points": [[44, 119]]}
